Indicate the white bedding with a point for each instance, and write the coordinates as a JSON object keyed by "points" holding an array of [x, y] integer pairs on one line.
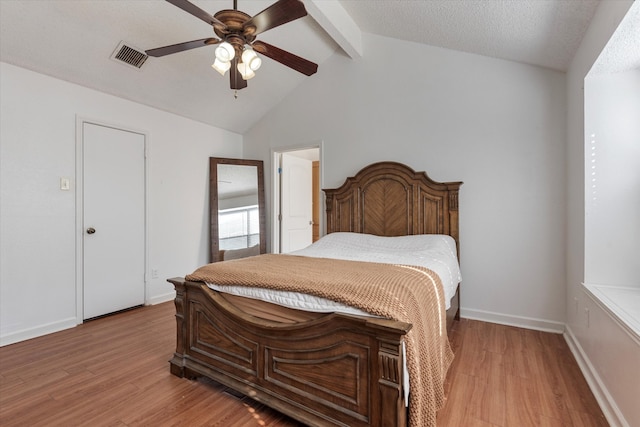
{"points": [[436, 252]]}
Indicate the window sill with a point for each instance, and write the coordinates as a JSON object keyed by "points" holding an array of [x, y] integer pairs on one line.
{"points": [[623, 303]]}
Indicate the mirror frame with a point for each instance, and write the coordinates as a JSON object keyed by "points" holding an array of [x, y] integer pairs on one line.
{"points": [[213, 202]]}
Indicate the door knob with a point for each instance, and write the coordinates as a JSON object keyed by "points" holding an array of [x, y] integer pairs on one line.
{"points": [[91, 230]]}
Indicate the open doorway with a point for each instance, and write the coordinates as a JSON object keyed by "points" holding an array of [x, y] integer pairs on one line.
{"points": [[297, 198]]}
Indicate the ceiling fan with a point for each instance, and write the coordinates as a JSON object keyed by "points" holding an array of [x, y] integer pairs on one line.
{"points": [[237, 42]]}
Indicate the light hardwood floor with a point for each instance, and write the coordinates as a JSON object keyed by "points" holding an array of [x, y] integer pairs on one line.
{"points": [[507, 376], [114, 371]]}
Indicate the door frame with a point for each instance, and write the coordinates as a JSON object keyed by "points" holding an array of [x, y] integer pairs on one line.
{"points": [[79, 188], [275, 188]]}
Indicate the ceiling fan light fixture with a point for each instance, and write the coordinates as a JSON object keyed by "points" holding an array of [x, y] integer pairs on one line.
{"points": [[236, 33], [251, 58], [245, 71], [221, 67], [225, 52]]}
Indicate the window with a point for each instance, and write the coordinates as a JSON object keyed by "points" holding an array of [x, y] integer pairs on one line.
{"points": [[239, 228]]}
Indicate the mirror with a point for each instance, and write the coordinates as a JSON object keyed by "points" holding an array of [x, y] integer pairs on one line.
{"points": [[236, 203]]}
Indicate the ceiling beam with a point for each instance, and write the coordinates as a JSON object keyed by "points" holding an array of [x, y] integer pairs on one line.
{"points": [[332, 17]]}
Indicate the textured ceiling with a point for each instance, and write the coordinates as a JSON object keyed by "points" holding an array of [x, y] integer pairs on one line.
{"points": [[539, 32], [73, 40], [622, 53]]}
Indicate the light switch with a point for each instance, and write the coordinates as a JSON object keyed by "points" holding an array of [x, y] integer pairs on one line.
{"points": [[64, 184]]}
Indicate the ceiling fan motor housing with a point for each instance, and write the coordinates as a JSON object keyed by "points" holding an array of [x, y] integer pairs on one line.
{"points": [[235, 33]]}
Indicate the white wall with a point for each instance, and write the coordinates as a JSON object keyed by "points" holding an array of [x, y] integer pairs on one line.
{"points": [[604, 351], [612, 166], [499, 126], [37, 219]]}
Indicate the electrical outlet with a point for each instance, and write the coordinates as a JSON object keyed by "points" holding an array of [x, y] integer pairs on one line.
{"points": [[154, 274], [587, 317], [575, 302]]}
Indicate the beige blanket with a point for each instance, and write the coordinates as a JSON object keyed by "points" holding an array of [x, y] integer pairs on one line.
{"points": [[405, 293]]}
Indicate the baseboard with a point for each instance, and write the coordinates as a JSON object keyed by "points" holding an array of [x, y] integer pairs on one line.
{"points": [[607, 403], [27, 334], [519, 321], [158, 299]]}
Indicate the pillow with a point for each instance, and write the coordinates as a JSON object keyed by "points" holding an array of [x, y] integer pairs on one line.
{"points": [[241, 253]]}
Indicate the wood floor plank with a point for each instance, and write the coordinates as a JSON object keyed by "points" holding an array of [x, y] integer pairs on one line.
{"points": [[114, 372], [523, 404], [494, 393], [461, 390]]}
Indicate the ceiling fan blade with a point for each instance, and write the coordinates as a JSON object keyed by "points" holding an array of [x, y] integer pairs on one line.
{"points": [[180, 47], [286, 58], [235, 78], [279, 13], [198, 13]]}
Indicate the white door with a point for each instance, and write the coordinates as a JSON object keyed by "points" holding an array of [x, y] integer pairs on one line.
{"points": [[114, 219], [296, 198]]}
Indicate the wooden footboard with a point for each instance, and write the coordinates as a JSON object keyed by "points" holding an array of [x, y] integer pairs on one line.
{"points": [[336, 370]]}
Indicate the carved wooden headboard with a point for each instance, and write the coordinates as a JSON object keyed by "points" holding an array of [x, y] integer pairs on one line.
{"points": [[391, 199]]}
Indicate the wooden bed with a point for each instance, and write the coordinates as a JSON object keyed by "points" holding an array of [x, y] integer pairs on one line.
{"points": [[321, 369]]}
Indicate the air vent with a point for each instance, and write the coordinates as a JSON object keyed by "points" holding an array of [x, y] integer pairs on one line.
{"points": [[129, 55]]}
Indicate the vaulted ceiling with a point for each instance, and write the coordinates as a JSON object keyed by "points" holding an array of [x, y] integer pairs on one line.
{"points": [[73, 40]]}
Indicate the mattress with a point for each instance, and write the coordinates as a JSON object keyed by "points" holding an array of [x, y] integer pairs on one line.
{"points": [[436, 252]]}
